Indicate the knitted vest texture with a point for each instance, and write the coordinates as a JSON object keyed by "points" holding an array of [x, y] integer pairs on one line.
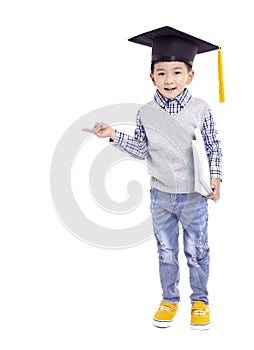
{"points": [[170, 161]]}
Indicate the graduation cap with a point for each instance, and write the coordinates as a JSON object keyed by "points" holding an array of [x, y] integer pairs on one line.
{"points": [[169, 44]]}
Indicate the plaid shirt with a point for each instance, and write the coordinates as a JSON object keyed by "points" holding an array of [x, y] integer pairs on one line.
{"points": [[137, 146]]}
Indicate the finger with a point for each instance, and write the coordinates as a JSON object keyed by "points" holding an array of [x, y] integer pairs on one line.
{"points": [[214, 197], [209, 197], [100, 127], [99, 124], [97, 129], [88, 130]]}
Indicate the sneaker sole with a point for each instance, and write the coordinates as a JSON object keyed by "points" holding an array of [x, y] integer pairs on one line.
{"points": [[198, 327], [162, 324]]}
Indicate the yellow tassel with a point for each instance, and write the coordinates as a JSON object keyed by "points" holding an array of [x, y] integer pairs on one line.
{"points": [[220, 77]]}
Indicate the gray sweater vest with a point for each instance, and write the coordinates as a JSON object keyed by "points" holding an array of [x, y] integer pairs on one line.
{"points": [[170, 160]]}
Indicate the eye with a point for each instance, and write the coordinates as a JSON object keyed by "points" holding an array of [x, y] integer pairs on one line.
{"points": [[161, 73], [178, 72]]}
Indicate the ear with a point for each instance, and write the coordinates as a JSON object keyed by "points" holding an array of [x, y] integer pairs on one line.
{"points": [[152, 78], [190, 77]]}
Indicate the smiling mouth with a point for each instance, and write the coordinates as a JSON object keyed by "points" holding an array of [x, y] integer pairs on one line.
{"points": [[170, 89]]}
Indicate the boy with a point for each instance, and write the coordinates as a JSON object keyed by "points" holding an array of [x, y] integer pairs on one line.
{"points": [[163, 136]]}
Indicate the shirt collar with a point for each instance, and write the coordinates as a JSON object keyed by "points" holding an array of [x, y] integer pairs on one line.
{"points": [[182, 99]]}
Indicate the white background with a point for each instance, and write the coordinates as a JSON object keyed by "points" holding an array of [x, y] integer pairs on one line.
{"points": [[60, 60]]}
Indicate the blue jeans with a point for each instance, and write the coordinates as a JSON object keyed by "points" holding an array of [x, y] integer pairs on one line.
{"points": [[191, 211]]}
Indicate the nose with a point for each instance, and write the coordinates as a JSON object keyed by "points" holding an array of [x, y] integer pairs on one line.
{"points": [[168, 79]]}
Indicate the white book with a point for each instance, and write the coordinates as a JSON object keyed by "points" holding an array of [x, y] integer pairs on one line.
{"points": [[201, 165]]}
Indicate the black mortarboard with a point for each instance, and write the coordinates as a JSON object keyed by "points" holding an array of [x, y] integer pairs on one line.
{"points": [[169, 44]]}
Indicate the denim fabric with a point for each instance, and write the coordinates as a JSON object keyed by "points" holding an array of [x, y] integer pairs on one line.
{"points": [[191, 211]]}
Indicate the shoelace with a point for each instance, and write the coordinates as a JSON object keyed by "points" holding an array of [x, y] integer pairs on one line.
{"points": [[165, 308], [199, 312]]}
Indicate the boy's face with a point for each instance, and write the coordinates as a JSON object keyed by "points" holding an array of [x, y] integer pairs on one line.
{"points": [[171, 78]]}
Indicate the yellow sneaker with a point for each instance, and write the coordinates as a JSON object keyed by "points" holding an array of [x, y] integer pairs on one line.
{"points": [[164, 316], [200, 316]]}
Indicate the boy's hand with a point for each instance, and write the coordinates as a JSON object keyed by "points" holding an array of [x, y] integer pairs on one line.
{"points": [[102, 130], [215, 186]]}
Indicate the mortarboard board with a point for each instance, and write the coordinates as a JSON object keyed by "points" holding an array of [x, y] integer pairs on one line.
{"points": [[169, 44]]}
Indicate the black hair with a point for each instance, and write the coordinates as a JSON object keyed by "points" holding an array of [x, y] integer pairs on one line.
{"points": [[189, 68]]}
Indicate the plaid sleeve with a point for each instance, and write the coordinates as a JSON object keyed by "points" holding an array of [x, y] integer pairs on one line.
{"points": [[213, 145], [135, 146]]}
